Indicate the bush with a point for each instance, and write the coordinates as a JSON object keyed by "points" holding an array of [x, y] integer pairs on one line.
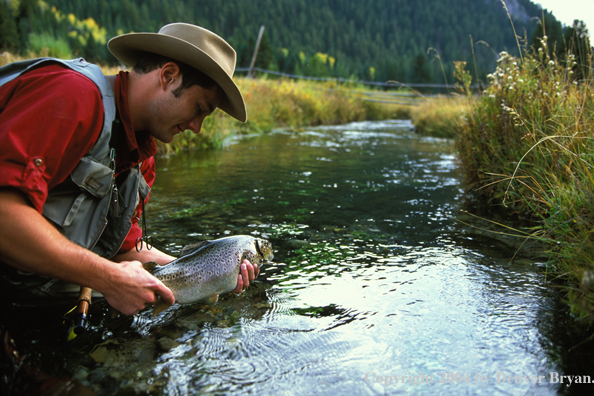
{"points": [[47, 45], [528, 146]]}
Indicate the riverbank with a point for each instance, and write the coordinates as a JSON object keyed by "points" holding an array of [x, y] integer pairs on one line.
{"points": [[526, 150], [282, 103]]}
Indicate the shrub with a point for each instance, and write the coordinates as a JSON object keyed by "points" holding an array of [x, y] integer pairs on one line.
{"points": [[528, 146]]}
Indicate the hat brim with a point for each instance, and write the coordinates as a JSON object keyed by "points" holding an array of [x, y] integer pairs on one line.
{"points": [[128, 48]]}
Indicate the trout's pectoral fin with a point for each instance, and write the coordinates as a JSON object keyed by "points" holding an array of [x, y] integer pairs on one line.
{"points": [[214, 298], [160, 307]]}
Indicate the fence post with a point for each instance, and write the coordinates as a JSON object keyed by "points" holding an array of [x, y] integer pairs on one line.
{"points": [[251, 71]]}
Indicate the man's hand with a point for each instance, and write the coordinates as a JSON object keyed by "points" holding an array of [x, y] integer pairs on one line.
{"points": [[135, 288], [150, 287], [247, 274], [35, 246]]}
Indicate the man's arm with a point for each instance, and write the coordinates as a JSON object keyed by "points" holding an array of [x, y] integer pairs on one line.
{"points": [[30, 243], [144, 256]]}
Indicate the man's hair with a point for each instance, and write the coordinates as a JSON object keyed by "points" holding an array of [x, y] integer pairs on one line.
{"points": [[190, 76]]}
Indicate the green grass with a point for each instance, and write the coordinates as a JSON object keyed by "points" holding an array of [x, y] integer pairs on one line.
{"points": [[285, 103]]}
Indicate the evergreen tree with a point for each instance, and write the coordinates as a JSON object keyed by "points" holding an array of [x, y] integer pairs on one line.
{"points": [[420, 70], [9, 34], [577, 42], [552, 29], [376, 37]]}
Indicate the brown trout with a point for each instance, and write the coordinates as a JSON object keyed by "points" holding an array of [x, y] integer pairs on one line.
{"points": [[209, 268]]}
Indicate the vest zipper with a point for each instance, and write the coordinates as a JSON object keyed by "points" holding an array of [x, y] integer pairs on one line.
{"points": [[98, 235]]}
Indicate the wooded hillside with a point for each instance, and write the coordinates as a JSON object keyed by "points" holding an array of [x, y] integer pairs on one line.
{"points": [[402, 40]]}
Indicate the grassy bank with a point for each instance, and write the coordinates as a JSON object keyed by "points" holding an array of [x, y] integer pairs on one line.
{"points": [[274, 103], [527, 148], [442, 116], [282, 103]]}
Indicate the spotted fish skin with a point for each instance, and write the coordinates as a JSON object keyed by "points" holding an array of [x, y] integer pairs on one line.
{"points": [[210, 268]]}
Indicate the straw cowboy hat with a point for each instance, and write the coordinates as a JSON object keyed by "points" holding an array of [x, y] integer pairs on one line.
{"points": [[194, 46]]}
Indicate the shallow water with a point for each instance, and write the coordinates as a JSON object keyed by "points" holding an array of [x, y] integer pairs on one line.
{"points": [[376, 287]]}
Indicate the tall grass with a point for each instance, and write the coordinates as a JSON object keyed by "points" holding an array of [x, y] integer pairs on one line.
{"points": [[442, 116], [527, 147]]}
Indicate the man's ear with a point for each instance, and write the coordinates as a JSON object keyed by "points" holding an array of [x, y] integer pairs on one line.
{"points": [[169, 75]]}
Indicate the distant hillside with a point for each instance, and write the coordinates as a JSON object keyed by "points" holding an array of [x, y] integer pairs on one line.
{"points": [[379, 40]]}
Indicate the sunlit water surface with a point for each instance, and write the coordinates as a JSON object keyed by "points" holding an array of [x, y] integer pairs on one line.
{"points": [[376, 287]]}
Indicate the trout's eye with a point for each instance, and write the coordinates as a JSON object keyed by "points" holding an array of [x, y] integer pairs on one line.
{"points": [[264, 249]]}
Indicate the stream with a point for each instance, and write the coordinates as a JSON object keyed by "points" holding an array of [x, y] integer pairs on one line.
{"points": [[382, 281]]}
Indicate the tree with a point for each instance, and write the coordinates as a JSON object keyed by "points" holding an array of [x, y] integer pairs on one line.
{"points": [[384, 34], [577, 42], [420, 70], [9, 34], [553, 31]]}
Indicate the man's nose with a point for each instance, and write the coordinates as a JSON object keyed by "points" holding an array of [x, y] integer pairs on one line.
{"points": [[196, 124]]}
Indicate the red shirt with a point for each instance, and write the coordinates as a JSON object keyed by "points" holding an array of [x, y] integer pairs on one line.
{"points": [[50, 117]]}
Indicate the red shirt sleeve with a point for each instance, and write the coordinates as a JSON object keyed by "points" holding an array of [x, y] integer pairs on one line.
{"points": [[148, 171], [50, 117]]}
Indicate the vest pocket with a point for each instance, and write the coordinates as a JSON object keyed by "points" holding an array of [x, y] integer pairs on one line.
{"points": [[93, 177], [62, 209], [74, 210], [79, 207], [80, 216]]}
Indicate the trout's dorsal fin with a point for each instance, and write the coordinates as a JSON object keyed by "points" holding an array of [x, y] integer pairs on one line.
{"points": [[193, 247]]}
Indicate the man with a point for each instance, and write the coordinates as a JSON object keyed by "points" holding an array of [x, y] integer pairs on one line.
{"points": [[76, 160]]}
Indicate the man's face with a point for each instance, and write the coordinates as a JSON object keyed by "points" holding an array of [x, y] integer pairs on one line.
{"points": [[169, 115]]}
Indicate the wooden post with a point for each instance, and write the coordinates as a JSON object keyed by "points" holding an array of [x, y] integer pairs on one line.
{"points": [[251, 71]]}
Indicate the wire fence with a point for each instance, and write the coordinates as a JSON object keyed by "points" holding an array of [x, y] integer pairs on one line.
{"points": [[412, 98], [340, 79]]}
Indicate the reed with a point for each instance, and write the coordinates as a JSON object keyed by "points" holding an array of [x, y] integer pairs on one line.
{"points": [[527, 148]]}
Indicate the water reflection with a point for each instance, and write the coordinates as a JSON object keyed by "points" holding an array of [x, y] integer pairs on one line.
{"points": [[376, 289]]}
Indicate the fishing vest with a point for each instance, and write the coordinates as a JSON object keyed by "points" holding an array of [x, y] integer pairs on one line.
{"points": [[91, 207]]}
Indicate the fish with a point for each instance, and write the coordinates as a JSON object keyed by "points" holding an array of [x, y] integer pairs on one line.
{"points": [[208, 269]]}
